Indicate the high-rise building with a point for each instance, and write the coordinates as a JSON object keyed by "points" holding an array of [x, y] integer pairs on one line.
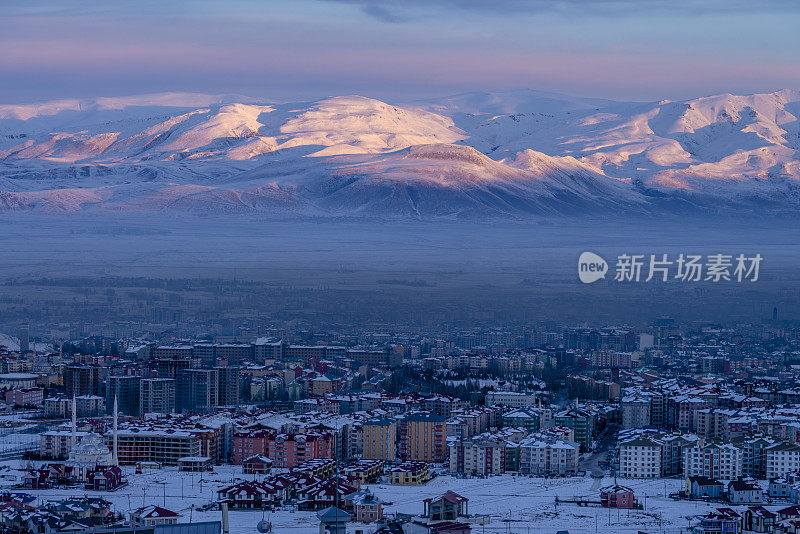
{"points": [[24, 337], [197, 390], [229, 388], [422, 437], [157, 395], [126, 389], [206, 353], [169, 367], [379, 439], [83, 380]]}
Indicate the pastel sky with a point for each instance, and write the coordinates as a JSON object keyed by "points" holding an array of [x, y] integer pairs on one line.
{"points": [[397, 49]]}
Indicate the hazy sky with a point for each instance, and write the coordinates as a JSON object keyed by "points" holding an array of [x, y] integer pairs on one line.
{"points": [[401, 49]]}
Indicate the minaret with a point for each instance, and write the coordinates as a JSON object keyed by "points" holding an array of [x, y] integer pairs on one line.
{"points": [[116, 460], [74, 424]]}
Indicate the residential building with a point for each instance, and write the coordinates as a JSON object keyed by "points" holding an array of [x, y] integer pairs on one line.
{"points": [[782, 458], [410, 473], [197, 390], [166, 447], [157, 395], [479, 456], [291, 450], [617, 496], [57, 407], [379, 437], [635, 411], [126, 389], [541, 456], [719, 461], [152, 515], [422, 437], [90, 406], [582, 422], [83, 380], [743, 492], [25, 396], [514, 399], [641, 458], [228, 385]]}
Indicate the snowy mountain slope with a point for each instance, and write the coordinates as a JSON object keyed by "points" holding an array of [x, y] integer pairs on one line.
{"points": [[476, 154], [457, 180]]}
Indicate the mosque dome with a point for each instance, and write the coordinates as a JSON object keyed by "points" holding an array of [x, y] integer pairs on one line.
{"points": [[92, 450]]}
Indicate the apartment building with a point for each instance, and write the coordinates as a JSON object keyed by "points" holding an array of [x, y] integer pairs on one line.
{"points": [[127, 390], [83, 380], [291, 450], [379, 439], [479, 456], [528, 418], [157, 395], [229, 392], [718, 461], [25, 396], [513, 399], [782, 458], [581, 422], [56, 444], [155, 445], [197, 390], [251, 442], [90, 405], [641, 458], [57, 407], [681, 411], [635, 411], [422, 437], [540, 456]]}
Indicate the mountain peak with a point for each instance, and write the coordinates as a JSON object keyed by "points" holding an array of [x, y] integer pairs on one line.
{"points": [[513, 151]]}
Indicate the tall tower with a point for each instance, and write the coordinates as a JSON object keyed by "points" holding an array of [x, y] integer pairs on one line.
{"points": [[24, 337]]}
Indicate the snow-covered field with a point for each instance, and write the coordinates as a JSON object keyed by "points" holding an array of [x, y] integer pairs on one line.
{"points": [[514, 503]]}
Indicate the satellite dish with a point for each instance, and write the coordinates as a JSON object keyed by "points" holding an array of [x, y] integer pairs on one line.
{"points": [[264, 526]]}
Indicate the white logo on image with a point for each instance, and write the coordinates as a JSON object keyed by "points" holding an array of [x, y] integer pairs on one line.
{"points": [[591, 267]]}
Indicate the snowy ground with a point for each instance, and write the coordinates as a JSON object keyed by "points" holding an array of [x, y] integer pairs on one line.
{"points": [[514, 504]]}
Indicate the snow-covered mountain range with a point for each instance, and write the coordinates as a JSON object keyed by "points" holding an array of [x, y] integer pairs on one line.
{"points": [[475, 154]]}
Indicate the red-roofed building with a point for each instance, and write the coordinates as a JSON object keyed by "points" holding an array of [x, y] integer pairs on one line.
{"points": [[256, 495], [447, 507], [758, 519], [104, 478], [324, 494], [149, 516], [247, 443], [257, 465], [617, 496], [291, 450]]}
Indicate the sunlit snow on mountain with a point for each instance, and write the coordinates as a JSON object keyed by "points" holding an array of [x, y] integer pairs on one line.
{"points": [[472, 155]]}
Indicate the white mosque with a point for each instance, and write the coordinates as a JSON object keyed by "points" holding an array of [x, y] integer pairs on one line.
{"points": [[92, 451]]}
